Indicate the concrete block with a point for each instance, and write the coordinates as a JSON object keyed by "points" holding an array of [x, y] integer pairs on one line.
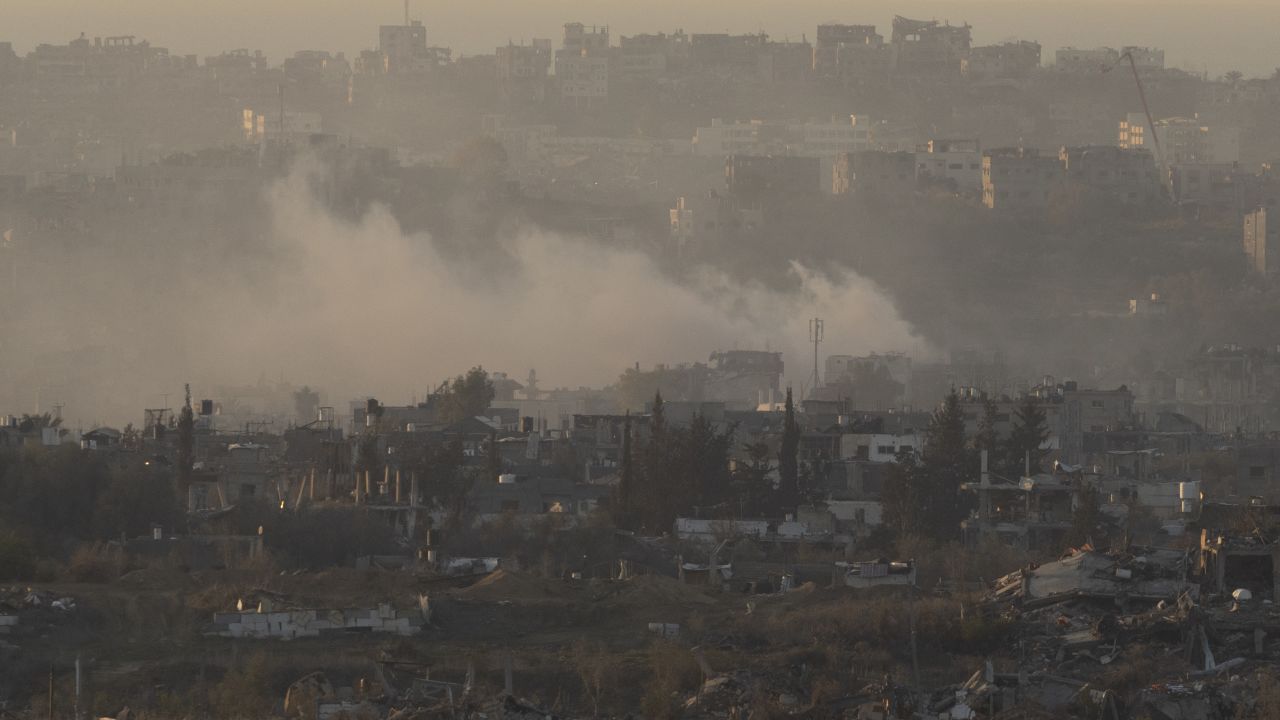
{"points": [[385, 611], [277, 617]]}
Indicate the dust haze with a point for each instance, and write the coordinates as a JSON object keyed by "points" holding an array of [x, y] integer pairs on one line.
{"points": [[359, 308]]}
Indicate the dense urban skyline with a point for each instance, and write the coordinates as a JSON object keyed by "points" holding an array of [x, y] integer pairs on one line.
{"points": [[281, 27]]}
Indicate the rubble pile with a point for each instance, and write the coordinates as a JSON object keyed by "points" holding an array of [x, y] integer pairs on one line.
{"points": [[1092, 625]]}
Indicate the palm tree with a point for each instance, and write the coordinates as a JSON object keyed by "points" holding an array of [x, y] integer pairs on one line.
{"points": [[40, 421]]}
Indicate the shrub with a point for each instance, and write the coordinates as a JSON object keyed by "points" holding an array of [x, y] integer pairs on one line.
{"points": [[17, 558], [96, 563]]}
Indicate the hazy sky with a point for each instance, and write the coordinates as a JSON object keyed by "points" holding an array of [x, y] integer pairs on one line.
{"points": [[1196, 34]]}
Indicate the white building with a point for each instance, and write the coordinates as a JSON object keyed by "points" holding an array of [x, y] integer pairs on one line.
{"points": [[1070, 59], [877, 447], [957, 161], [803, 139], [1182, 140], [583, 77], [722, 139]]}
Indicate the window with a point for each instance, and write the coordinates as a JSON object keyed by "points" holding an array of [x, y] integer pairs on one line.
{"points": [[1097, 404], [885, 449], [1257, 471], [247, 490]]}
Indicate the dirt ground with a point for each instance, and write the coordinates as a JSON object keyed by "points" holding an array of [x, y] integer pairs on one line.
{"points": [[147, 632]]}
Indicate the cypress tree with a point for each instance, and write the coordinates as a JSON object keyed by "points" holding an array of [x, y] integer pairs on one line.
{"points": [[788, 457]]}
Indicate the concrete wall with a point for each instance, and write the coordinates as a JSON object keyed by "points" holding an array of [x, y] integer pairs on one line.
{"points": [[311, 623]]}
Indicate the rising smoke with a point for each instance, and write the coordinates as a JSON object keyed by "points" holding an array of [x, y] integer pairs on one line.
{"points": [[361, 308]]}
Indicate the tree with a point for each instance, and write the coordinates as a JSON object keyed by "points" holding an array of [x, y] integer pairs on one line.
{"points": [[702, 464], [135, 498], [987, 438], [948, 462], [439, 467], [186, 444], [467, 395], [624, 495], [657, 416], [682, 469], [1085, 517], [1030, 430], [494, 456], [788, 457], [131, 438], [596, 669], [1233, 77], [17, 558], [751, 480], [906, 484], [36, 423], [244, 693]]}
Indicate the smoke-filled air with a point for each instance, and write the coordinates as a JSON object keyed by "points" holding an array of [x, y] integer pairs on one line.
{"points": [[639, 360]]}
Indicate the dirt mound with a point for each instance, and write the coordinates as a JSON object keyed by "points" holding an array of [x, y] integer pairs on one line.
{"points": [[213, 598], [512, 585], [645, 590], [156, 580]]}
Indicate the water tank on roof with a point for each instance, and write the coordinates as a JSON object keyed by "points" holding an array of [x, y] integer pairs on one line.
{"points": [[507, 479]]}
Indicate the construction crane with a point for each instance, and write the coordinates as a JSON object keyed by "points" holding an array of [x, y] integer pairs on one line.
{"points": [[1151, 123]]}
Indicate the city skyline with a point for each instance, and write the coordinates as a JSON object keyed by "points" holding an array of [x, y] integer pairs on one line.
{"points": [[282, 27]]}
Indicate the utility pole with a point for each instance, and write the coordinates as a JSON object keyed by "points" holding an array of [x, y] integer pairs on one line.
{"points": [[915, 658], [815, 337]]}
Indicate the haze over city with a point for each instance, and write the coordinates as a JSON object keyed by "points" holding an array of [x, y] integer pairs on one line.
{"points": [[861, 360], [281, 27]]}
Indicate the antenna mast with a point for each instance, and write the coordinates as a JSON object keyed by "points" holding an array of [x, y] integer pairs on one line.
{"points": [[815, 337]]}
